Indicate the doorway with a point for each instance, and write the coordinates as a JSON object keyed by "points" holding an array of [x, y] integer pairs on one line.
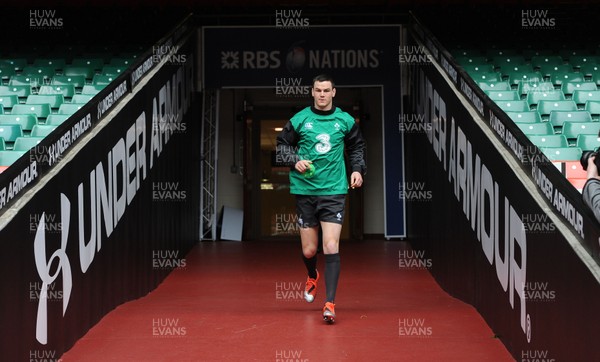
{"points": [[268, 202]]}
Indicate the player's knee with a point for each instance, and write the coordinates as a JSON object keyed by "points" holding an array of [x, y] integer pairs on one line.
{"points": [[309, 251], [330, 247]]}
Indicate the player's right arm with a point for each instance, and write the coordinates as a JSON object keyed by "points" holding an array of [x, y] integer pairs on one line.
{"points": [[287, 146]]}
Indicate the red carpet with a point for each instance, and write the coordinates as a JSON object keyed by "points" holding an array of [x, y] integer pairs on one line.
{"points": [[242, 302]]}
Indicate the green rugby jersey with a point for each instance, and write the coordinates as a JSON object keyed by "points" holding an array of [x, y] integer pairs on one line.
{"points": [[321, 136]]}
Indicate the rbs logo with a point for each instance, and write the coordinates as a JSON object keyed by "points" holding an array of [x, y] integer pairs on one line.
{"points": [[248, 59]]}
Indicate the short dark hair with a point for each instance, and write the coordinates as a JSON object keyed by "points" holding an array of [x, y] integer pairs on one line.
{"points": [[323, 78]]}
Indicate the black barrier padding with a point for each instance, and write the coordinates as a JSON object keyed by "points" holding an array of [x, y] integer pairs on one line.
{"points": [[563, 198], [557, 289], [152, 231]]}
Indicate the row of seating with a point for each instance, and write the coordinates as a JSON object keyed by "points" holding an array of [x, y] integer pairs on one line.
{"points": [[37, 96], [553, 99], [21, 92]]}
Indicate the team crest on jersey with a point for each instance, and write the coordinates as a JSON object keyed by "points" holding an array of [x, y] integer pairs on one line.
{"points": [[337, 126], [308, 125]]}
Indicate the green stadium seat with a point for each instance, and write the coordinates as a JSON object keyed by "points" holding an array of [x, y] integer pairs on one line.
{"points": [[93, 62], [559, 78], [589, 69], [511, 68], [588, 142], [465, 52], [82, 98], [42, 130], [513, 106], [101, 79], [545, 107], [8, 101], [21, 91], [539, 60], [25, 80], [477, 77], [529, 53], [55, 63], [25, 121], [503, 95], [500, 52], [569, 87], [562, 153], [125, 61], [10, 132], [469, 68], [56, 119], [554, 140], [533, 129], [8, 157], [558, 118], [582, 96], [115, 71], [92, 89], [40, 72], [579, 61], [502, 60], [525, 117], [6, 72], [78, 81], [70, 108], [74, 71], [41, 110], [495, 85], [2, 144], [54, 100], [533, 98], [16, 63], [573, 129], [548, 70], [595, 77], [593, 107], [526, 87], [462, 60], [67, 90], [514, 78], [26, 143]]}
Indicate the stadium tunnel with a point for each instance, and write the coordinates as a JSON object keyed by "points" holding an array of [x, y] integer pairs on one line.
{"points": [[180, 132]]}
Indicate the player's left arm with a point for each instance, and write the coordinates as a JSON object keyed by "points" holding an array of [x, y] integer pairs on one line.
{"points": [[355, 147]]}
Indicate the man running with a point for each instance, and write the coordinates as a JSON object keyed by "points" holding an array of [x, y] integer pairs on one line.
{"points": [[317, 136]]}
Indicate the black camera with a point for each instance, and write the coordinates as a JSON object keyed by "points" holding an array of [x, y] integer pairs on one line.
{"points": [[585, 156]]}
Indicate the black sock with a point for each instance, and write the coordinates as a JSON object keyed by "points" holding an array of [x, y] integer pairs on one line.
{"points": [[332, 273], [311, 266]]}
